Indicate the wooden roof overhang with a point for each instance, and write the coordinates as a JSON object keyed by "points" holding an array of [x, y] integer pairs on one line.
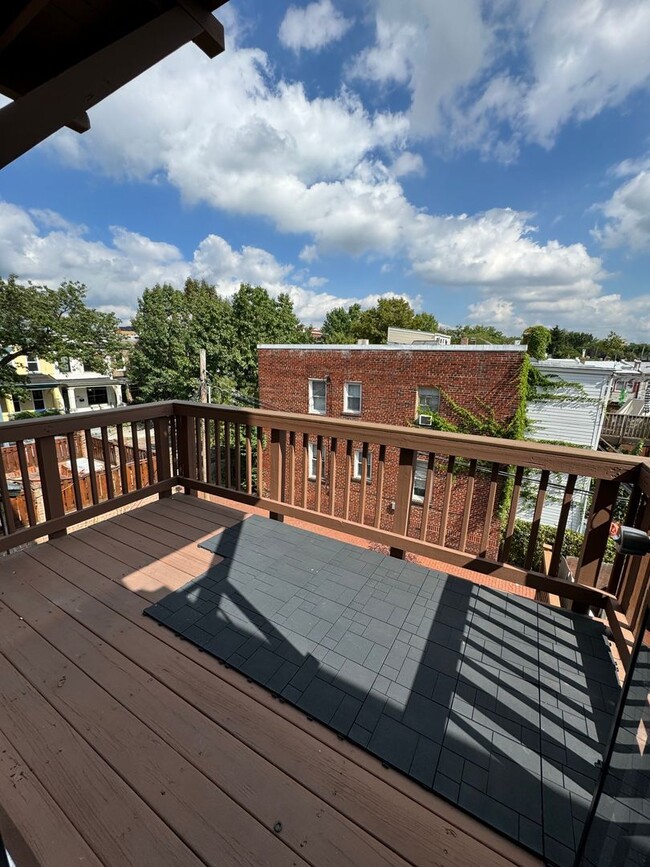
{"points": [[59, 58]]}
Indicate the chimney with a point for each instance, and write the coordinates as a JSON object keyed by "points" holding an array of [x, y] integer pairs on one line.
{"points": [[464, 341], [363, 341]]}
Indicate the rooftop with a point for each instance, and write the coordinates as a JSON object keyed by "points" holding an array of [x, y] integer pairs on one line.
{"points": [[392, 347]]}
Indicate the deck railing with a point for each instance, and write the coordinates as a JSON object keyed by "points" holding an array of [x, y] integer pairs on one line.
{"points": [[626, 427], [451, 497]]}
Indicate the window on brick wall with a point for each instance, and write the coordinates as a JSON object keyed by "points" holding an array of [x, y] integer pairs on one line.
{"points": [[428, 399], [352, 398], [358, 463], [313, 462], [318, 396], [419, 480]]}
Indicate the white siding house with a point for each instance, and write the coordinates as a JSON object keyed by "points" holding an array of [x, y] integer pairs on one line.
{"points": [[576, 419]]}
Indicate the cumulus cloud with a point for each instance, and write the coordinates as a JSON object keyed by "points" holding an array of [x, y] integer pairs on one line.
{"points": [[312, 27], [492, 75], [627, 212], [116, 273]]}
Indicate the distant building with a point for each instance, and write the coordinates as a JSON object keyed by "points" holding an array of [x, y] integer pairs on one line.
{"points": [[398, 385], [410, 336], [64, 387]]}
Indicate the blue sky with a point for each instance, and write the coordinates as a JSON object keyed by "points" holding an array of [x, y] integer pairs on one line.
{"points": [[490, 161]]}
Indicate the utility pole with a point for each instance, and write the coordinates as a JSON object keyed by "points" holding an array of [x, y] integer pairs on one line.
{"points": [[203, 397]]}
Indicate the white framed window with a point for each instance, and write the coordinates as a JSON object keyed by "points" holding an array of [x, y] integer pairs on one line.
{"points": [[313, 462], [419, 480], [352, 398], [32, 364], [97, 395], [428, 399], [357, 466], [318, 396]]}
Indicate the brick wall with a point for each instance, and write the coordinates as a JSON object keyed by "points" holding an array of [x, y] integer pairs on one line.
{"points": [[390, 379]]}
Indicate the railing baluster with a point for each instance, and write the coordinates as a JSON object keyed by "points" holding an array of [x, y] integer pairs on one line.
{"points": [[446, 500], [428, 493], [150, 466], [489, 511], [469, 499], [276, 475], [319, 471], [363, 482], [348, 476], [186, 451], [381, 470], [108, 468], [512, 514], [291, 471], [537, 519], [249, 461], [124, 478], [333, 460], [90, 448], [137, 467], [226, 436], [74, 469], [48, 471], [305, 468], [260, 461], [27, 486], [174, 445], [567, 500], [163, 462], [404, 495], [597, 534], [218, 450], [238, 456], [9, 523], [208, 449]]}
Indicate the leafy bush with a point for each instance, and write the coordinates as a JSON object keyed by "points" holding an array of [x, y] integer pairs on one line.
{"points": [[30, 413], [571, 546]]}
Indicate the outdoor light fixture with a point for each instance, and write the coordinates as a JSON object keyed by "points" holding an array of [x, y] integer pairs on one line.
{"points": [[630, 540]]}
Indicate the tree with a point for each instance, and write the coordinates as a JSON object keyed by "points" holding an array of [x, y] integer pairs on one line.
{"points": [[479, 334], [338, 326], [52, 324], [258, 318], [161, 365], [373, 324], [613, 346], [537, 338]]}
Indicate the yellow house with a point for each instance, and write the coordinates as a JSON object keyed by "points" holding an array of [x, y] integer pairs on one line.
{"points": [[62, 387]]}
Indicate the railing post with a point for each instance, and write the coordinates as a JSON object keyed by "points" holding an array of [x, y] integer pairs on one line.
{"points": [[597, 533], [163, 463], [403, 497], [276, 469], [48, 470], [187, 451]]}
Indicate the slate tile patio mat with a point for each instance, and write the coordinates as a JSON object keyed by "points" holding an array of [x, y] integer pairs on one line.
{"points": [[498, 704]]}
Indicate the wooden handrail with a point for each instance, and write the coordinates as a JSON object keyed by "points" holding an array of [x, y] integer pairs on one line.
{"points": [[524, 453]]}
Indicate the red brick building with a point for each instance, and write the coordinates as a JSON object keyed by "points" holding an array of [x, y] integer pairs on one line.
{"points": [[396, 385]]}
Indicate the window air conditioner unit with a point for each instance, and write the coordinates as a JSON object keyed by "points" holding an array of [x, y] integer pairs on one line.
{"points": [[425, 420]]}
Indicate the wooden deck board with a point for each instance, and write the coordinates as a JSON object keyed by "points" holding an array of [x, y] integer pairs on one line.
{"points": [[337, 805]]}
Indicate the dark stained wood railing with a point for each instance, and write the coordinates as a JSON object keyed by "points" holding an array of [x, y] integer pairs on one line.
{"points": [[450, 497]]}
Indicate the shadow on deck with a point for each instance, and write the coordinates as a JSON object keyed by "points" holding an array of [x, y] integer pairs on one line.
{"points": [[498, 704]]}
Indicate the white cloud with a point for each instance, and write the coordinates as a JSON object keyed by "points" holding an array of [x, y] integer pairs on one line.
{"points": [[312, 27], [627, 212], [492, 75]]}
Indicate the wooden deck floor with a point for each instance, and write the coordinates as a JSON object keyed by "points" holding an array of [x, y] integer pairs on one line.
{"points": [[121, 745]]}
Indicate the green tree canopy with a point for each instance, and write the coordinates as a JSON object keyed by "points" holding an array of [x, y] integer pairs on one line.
{"points": [[52, 324], [173, 325], [479, 334], [338, 326], [537, 338]]}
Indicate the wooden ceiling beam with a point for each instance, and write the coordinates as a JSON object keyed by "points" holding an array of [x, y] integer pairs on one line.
{"points": [[211, 41], [23, 18], [33, 117]]}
